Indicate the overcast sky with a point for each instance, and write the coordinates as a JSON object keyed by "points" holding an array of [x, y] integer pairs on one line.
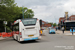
{"points": [[49, 10]]}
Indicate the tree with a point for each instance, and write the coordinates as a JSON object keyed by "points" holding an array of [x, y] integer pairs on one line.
{"points": [[8, 3], [10, 12], [7, 10], [54, 24], [28, 13], [50, 23]]}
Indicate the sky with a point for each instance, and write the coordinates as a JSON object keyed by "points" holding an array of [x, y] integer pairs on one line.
{"points": [[49, 10]]}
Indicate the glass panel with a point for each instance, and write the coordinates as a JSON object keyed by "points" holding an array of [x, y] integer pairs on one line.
{"points": [[27, 22]]}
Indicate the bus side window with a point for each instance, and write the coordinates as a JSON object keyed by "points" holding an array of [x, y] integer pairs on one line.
{"points": [[13, 28], [17, 28]]}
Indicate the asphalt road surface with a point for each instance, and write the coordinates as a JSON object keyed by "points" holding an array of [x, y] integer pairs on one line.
{"points": [[48, 42]]}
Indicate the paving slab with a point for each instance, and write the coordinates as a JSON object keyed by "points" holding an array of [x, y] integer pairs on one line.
{"points": [[65, 32], [1, 38]]}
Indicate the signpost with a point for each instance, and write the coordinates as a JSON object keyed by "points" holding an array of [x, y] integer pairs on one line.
{"points": [[23, 11], [5, 22]]}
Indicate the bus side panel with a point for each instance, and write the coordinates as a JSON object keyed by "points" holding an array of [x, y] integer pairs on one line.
{"points": [[16, 31]]}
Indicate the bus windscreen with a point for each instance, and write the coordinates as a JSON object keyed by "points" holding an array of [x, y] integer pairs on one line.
{"points": [[28, 22]]}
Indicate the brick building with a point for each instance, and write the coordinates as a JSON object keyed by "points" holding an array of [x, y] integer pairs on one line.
{"points": [[68, 23], [61, 19], [45, 24], [71, 18]]}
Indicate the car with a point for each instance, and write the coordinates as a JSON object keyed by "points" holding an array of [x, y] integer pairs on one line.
{"points": [[51, 31]]}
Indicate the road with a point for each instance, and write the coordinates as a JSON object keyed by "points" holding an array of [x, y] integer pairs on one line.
{"points": [[48, 42]]}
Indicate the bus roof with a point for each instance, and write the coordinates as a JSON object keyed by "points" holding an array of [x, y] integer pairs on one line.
{"points": [[17, 21]]}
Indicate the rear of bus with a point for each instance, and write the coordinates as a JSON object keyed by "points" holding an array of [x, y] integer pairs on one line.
{"points": [[29, 29]]}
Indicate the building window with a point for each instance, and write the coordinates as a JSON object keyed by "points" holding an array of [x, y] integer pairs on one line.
{"points": [[72, 18]]}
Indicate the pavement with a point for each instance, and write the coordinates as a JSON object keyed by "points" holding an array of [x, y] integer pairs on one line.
{"points": [[65, 32], [5, 38], [1, 38]]}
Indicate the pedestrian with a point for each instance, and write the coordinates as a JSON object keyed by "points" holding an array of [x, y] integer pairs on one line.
{"points": [[41, 32], [72, 30], [63, 29], [56, 28]]}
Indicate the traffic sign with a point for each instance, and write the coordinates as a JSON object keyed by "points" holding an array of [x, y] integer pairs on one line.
{"points": [[5, 22]]}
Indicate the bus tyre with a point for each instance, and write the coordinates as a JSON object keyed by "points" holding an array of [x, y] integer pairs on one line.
{"points": [[34, 40], [18, 40]]}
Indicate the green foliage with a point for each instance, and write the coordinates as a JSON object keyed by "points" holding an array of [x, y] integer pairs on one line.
{"points": [[58, 24], [28, 13], [54, 24], [50, 23], [10, 12]]}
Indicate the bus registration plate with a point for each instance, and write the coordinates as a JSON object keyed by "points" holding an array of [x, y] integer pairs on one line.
{"points": [[30, 35]]}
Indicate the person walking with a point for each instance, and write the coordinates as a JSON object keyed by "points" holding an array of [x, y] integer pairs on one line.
{"points": [[63, 29], [41, 32], [56, 28], [72, 30]]}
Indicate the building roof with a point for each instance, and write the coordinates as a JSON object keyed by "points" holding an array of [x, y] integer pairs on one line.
{"points": [[61, 18], [43, 22], [72, 16]]}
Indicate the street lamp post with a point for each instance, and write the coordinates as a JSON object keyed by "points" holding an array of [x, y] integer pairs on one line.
{"points": [[28, 15], [5, 23], [23, 11]]}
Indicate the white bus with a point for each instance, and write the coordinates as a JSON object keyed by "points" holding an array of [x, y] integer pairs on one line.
{"points": [[26, 29]]}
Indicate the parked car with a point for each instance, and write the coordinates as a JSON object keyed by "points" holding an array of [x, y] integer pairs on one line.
{"points": [[51, 31]]}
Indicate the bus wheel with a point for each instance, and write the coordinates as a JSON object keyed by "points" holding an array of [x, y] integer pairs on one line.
{"points": [[34, 40], [18, 40]]}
